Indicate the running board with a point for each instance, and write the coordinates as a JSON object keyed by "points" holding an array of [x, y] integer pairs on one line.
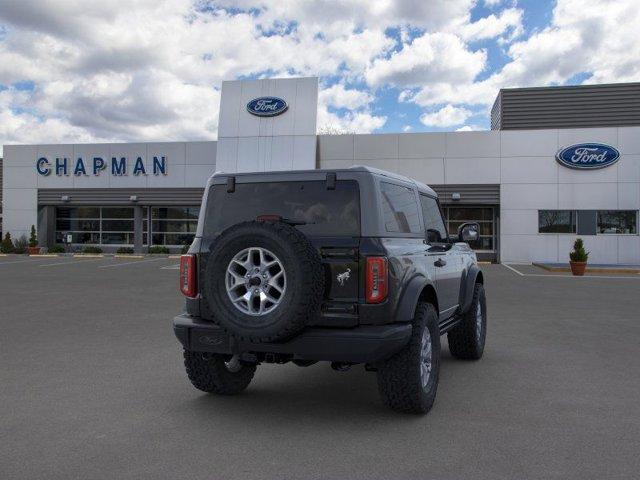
{"points": [[449, 323]]}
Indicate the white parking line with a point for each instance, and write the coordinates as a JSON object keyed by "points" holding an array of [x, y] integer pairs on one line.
{"points": [[171, 267], [72, 262], [31, 260], [550, 275], [513, 270], [130, 263]]}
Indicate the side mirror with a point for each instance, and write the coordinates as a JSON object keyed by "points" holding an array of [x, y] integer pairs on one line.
{"points": [[469, 232]]}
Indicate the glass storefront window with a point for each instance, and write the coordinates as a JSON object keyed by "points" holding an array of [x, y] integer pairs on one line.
{"points": [[456, 216], [95, 225], [556, 221], [172, 226], [618, 221]]}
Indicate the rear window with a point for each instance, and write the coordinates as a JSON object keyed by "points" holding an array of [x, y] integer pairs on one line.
{"points": [[324, 212]]}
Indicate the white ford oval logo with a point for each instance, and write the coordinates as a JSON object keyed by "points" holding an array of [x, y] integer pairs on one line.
{"points": [[267, 106]]}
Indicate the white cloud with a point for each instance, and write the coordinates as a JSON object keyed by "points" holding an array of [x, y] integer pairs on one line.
{"points": [[509, 22], [407, 128], [447, 116], [151, 71], [432, 57], [469, 128], [340, 97]]}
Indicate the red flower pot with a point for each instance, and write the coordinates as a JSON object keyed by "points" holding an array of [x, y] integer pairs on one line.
{"points": [[578, 268], [33, 250]]}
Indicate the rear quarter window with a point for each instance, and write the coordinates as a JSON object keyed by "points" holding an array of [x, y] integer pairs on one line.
{"points": [[324, 212], [399, 209]]}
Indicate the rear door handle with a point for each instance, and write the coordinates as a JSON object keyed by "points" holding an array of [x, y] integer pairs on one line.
{"points": [[441, 262]]}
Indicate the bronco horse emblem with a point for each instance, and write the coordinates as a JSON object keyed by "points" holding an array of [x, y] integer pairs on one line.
{"points": [[343, 277]]}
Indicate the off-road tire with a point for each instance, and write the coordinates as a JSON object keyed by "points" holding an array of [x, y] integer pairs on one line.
{"points": [[464, 341], [208, 372], [399, 379], [304, 273]]}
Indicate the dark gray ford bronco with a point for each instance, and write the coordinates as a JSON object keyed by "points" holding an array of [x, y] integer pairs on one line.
{"points": [[348, 266]]}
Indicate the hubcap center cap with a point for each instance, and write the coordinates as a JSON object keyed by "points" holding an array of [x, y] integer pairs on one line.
{"points": [[255, 281]]}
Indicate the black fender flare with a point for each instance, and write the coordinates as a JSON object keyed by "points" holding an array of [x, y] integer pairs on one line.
{"points": [[466, 286], [410, 296]]}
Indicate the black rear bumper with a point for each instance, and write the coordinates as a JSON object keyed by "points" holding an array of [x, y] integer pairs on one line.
{"points": [[363, 344]]}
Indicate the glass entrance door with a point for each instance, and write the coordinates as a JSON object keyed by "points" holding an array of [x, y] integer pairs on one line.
{"points": [[485, 216]]}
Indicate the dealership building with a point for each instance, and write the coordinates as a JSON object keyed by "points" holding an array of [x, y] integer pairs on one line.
{"points": [[558, 163]]}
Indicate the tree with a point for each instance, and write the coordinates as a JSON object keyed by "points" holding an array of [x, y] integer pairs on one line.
{"points": [[7, 244], [33, 238]]}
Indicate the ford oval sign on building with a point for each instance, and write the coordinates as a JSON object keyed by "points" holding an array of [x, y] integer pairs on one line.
{"points": [[267, 106], [588, 156]]}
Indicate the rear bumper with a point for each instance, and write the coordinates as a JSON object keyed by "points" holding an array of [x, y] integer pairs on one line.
{"points": [[363, 344]]}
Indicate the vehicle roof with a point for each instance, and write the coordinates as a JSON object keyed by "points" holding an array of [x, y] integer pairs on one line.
{"points": [[356, 168]]}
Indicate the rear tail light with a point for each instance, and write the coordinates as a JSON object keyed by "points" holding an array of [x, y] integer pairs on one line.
{"points": [[188, 284], [377, 279]]}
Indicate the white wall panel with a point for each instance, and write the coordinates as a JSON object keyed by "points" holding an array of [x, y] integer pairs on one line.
{"points": [[473, 144], [629, 168], [472, 170], [528, 248], [629, 196], [529, 170], [529, 143], [629, 249], [421, 145], [629, 140], [197, 175], [587, 196], [518, 222], [425, 170], [375, 147], [19, 177], [529, 196], [571, 136], [602, 249], [335, 147], [200, 153]]}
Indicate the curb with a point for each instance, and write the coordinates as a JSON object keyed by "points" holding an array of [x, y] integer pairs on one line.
{"points": [[88, 255], [127, 255], [45, 255], [588, 270]]}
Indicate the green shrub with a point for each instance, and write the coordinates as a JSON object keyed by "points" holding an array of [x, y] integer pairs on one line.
{"points": [[158, 249], [20, 245], [7, 244], [33, 238], [91, 249], [125, 251], [57, 248], [579, 254], [185, 248]]}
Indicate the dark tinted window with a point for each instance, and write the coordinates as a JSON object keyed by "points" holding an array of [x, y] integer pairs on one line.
{"points": [[434, 225], [325, 212], [617, 221], [399, 209], [556, 221]]}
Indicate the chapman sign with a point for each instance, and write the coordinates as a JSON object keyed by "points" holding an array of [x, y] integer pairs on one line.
{"points": [[267, 106], [118, 166], [588, 156]]}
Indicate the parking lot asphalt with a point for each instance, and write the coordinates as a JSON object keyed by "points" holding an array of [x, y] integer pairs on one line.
{"points": [[92, 386]]}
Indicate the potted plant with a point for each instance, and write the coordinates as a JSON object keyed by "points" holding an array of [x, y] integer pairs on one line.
{"points": [[578, 258], [33, 249], [20, 245]]}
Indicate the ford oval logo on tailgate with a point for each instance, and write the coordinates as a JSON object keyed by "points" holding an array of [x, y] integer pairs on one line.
{"points": [[588, 156], [267, 106]]}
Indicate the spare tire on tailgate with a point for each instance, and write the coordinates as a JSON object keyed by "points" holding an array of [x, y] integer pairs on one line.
{"points": [[264, 281]]}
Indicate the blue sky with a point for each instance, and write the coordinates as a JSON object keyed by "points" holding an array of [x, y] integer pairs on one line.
{"points": [[77, 71]]}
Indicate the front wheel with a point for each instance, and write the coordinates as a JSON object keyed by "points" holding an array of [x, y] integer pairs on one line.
{"points": [[408, 381], [215, 373], [466, 340]]}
